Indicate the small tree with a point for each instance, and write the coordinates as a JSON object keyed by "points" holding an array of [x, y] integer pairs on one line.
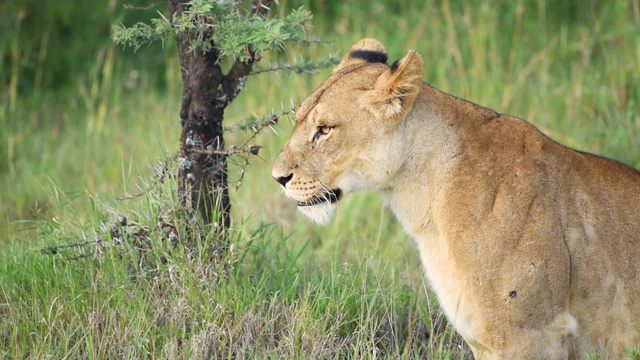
{"points": [[210, 33]]}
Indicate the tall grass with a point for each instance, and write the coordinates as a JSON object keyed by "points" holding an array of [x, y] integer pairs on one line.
{"points": [[292, 290], [83, 295]]}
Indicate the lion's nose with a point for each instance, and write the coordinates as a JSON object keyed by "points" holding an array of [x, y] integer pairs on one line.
{"points": [[283, 180]]}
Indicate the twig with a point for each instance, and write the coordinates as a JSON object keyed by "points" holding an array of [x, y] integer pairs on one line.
{"points": [[301, 66], [54, 249], [253, 149], [133, 7], [272, 119], [160, 176], [261, 7]]}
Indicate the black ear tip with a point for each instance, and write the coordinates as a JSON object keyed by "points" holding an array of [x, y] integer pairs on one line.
{"points": [[369, 56]]}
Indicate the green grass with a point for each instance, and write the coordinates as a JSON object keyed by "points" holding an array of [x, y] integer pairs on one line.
{"points": [[293, 290], [266, 298]]}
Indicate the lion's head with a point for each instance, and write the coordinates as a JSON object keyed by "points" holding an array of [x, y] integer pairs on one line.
{"points": [[346, 138]]}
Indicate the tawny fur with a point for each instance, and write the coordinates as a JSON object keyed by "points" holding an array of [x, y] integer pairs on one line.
{"points": [[532, 248]]}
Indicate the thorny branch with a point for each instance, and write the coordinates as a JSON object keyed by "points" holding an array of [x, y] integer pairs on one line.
{"points": [[247, 150], [91, 248], [122, 229], [134, 7], [234, 80], [301, 66], [253, 150], [244, 151]]}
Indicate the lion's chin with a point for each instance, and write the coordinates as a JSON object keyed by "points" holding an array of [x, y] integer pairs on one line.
{"points": [[320, 214]]}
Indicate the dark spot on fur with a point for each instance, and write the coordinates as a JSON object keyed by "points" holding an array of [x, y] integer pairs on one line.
{"points": [[369, 56], [394, 66], [513, 294]]}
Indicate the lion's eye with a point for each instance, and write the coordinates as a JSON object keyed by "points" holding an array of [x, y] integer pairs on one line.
{"points": [[322, 130]]}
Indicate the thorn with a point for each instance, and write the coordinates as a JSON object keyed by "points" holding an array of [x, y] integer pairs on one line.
{"points": [[162, 16]]}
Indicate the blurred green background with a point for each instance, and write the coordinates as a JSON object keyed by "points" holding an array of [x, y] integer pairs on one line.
{"points": [[81, 118]]}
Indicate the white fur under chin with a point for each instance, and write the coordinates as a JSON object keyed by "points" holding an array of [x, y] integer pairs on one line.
{"points": [[320, 214]]}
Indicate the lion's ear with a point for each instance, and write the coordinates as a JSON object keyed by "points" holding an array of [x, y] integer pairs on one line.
{"points": [[397, 88], [364, 51]]}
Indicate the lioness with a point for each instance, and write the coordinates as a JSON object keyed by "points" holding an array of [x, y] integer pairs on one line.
{"points": [[532, 248]]}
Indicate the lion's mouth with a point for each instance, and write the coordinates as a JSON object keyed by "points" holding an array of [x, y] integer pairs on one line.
{"points": [[331, 196]]}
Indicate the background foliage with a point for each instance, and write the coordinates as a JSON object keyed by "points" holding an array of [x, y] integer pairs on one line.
{"points": [[82, 122]]}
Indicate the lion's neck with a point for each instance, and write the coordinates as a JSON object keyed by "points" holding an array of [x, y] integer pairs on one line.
{"points": [[431, 141], [432, 138]]}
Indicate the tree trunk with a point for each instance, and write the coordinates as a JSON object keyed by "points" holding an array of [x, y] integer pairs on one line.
{"points": [[202, 178]]}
